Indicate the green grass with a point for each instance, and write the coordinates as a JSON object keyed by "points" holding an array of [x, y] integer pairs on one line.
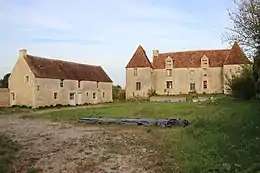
{"points": [[224, 136], [134, 110], [226, 141], [8, 149]]}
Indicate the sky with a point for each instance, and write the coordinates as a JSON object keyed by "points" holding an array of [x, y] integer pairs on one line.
{"points": [[107, 32]]}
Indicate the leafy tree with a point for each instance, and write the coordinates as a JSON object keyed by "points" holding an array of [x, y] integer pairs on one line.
{"points": [[115, 91], [242, 84], [246, 30], [4, 81]]}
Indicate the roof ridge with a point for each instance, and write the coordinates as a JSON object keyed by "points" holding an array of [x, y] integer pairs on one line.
{"points": [[66, 61], [196, 51]]}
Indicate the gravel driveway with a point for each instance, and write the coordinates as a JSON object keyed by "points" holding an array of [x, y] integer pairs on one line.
{"points": [[61, 147]]}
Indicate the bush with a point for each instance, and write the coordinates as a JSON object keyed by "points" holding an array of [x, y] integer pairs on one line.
{"points": [[152, 92], [242, 85], [121, 95]]}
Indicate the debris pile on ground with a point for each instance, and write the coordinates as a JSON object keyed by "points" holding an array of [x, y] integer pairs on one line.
{"points": [[137, 121]]}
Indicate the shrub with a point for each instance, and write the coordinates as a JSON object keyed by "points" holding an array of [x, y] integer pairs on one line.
{"points": [[121, 95], [241, 85], [152, 92]]}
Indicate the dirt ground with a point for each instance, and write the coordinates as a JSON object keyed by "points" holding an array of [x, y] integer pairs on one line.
{"points": [[61, 147]]}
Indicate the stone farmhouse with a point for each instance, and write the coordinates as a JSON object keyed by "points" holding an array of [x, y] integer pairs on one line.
{"points": [[173, 73], [37, 81]]}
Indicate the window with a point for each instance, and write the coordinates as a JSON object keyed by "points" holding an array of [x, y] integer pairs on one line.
{"points": [[205, 62], [205, 74], [55, 95], [192, 72], [169, 84], [87, 93], [72, 96], [97, 84], [61, 83], [94, 95], [138, 85], [78, 83], [135, 72], [192, 86], [13, 96], [26, 78], [103, 94], [205, 84], [169, 72], [38, 87]]}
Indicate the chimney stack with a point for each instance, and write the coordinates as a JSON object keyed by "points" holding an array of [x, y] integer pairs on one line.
{"points": [[155, 53], [22, 53]]}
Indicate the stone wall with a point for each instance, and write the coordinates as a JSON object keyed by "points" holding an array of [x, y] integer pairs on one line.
{"points": [[4, 97], [88, 92]]}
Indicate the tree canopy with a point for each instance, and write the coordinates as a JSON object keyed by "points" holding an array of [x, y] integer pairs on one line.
{"points": [[4, 81]]}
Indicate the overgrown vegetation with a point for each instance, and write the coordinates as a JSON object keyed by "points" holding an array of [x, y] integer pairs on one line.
{"points": [[225, 141], [242, 85], [8, 150]]}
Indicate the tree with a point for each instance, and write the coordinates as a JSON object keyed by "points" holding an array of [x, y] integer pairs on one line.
{"points": [[241, 85], [4, 81], [115, 91], [246, 30], [246, 25]]}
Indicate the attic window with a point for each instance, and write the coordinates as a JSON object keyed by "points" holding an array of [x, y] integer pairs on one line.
{"points": [[204, 62]]}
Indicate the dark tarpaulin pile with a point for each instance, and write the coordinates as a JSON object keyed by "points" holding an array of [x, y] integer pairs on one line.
{"points": [[138, 121]]}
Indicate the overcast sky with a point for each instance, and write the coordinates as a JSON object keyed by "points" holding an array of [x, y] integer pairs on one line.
{"points": [[107, 32]]}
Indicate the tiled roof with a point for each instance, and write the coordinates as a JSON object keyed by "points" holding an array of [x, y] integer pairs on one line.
{"points": [[58, 69], [190, 59], [236, 56], [139, 59]]}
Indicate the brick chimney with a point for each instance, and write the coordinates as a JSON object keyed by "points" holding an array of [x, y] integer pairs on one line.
{"points": [[22, 53], [155, 54]]}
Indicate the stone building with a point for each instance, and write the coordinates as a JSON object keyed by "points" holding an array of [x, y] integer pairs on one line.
{"points": [[37, 81], [173, 73]]}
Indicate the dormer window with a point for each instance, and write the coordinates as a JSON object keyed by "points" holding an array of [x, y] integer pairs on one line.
{"points": [[204, 61], [135, 71], [168, 63]]}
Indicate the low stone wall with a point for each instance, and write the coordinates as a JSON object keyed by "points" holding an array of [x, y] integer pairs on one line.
{"points": [[176, 98], [168, 99], [4, 97]]}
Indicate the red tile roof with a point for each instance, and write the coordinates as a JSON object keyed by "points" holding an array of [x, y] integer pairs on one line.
{"points": [[58, 69], [139, 59], [192, 59], [236, 56]]}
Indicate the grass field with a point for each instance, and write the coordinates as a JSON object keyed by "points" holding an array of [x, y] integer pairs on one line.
{"points": [[224, 136]]}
